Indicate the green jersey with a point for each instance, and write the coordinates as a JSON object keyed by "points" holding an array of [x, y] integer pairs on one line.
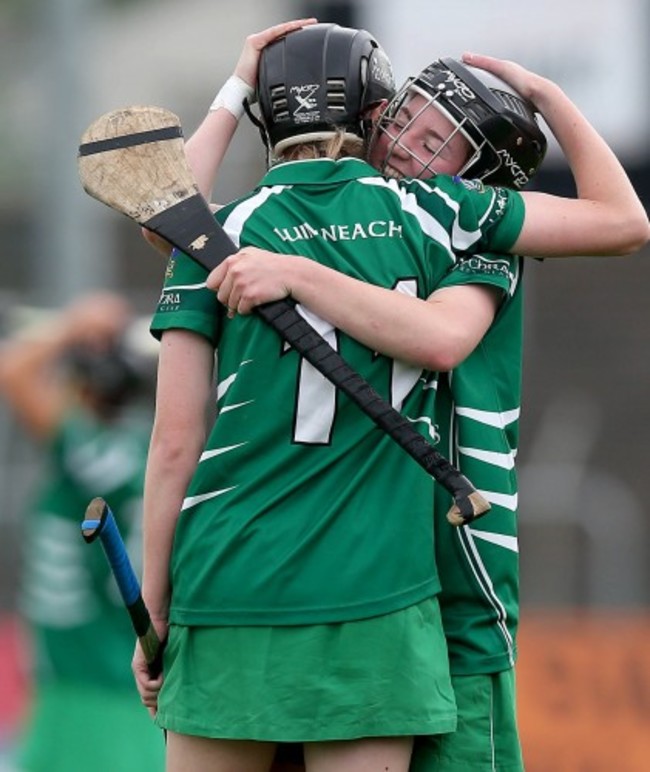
{"points": [[298, 502], [477, 415], [81, 631]]}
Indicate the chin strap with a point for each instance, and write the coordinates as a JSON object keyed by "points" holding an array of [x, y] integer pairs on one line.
{"points": [[260, 127]]}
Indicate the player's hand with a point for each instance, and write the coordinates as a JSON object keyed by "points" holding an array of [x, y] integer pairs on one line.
{"points": [[249, 58], [98, 319], [148, 687], [251, 277], [524, 82], [157, 242]]}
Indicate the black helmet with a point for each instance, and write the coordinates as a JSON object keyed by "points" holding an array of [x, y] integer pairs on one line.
{"points": [[500, 125], [319, 79], [110, 375]]}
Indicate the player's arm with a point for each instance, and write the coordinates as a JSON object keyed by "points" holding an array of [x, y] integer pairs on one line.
{"points": [[607, 217], [435, 334], [206, 148], [30, 376], [177, 439]]}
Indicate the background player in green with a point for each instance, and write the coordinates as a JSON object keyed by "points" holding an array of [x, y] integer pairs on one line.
{"points": [[272, 536], [70, 384]]}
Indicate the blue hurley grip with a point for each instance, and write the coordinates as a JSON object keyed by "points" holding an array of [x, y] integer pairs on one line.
{"points": [[119, 560], [106, 529], [100, 522]]}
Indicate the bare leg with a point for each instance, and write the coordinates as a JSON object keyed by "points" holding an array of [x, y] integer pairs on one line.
{"points": [[187, 753], [372, 754]]}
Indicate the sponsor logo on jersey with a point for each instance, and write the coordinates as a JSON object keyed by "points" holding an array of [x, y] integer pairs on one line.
{"points": [[375, 229], [169, 301], [485, 266]]}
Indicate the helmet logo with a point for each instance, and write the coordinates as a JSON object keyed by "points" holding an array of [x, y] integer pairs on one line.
{"points": [[519, 176], [381, 71], [307, 109], [460, 87]]}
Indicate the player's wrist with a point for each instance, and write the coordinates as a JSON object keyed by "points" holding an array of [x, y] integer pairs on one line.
{"points": [[232, 95]]}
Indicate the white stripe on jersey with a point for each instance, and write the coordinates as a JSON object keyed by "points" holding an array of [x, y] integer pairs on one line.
{"points": [[226, 383], [192, 501], [460, 238], [488, 211], [507, 542], [431, 383], [95, 464], [235, 221], [516, 276], [432, 430], [503, 460], [56, 590], [177, 287], [490, 417], [482, 575], [505, 500], [236, 406], [404, 376], [208, 454], [409, 204]]}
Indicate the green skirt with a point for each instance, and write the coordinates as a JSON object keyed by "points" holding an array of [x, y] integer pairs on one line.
{"points": [[77, 728], [379, 677]]}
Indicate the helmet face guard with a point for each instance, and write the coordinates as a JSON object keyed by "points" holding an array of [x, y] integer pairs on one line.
{"points": [[319, 80], [506, 144]]}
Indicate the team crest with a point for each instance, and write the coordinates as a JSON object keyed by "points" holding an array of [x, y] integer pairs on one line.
{"points": [[171, 264], [471, 184]]}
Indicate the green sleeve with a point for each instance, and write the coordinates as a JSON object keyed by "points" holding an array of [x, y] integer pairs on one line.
{"points": [[185, 302], [497, 270]]}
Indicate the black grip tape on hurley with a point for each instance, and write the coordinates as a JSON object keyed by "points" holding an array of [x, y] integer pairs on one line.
{"points": [[191, 227], [130, 140]]}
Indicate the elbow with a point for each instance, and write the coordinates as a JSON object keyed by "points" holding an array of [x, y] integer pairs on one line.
{"points": [[173, 452], [452, 348], [633, 235], [445, 357], [444, 364], [642, 234]]}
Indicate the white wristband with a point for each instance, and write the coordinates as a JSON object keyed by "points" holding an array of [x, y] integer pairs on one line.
{"points": [[232, 95]]}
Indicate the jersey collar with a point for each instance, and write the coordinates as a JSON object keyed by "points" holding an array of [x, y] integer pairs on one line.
{"points": [[318, 171]]}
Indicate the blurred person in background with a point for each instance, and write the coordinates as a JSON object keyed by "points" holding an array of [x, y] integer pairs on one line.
{"points": [[76, 388]]}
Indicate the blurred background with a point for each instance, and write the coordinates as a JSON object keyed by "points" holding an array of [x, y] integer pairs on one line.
{"points": [[584, 511]]}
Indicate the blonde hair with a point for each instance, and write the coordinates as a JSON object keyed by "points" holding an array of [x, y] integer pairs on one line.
{"points": [[334, 144]]}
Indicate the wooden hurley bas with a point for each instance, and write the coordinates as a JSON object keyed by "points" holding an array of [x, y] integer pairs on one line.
{"points": [[133, 160]]}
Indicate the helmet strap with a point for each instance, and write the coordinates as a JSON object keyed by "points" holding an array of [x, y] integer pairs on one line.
{"points": [[260, 127]]}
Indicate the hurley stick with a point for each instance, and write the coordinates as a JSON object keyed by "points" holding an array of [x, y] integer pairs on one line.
{"points": [[133, 160]]}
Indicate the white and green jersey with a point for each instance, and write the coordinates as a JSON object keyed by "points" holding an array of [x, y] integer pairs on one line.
{"points": [[301, 510], [477, 415], [81, 632]]}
